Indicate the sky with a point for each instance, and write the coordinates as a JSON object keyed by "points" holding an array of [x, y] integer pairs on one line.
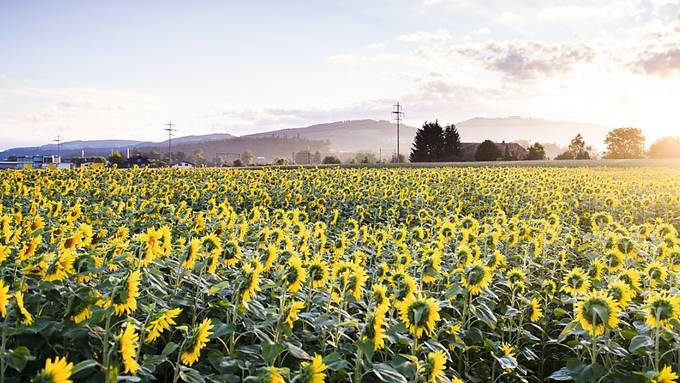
{"points": [[120, 70]]}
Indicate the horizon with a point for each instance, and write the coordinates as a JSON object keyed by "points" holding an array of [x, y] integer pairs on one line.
{"points": [[93, 71]]}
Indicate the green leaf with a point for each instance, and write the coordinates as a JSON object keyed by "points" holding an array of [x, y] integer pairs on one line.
{"points": [[271, 350], [296, 351], [169, 349], [18, 358], [387, 373], [367, 348], [334, 361], [84, 365], [640, 341], [190, 375]]}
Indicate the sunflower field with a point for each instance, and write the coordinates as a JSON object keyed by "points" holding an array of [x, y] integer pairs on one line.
{"points": [[340, 275]]}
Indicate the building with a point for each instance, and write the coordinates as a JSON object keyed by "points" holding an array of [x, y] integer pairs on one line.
{"points": [[35, 162], [182, 164]]}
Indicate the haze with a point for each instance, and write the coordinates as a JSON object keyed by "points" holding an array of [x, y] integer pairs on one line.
{"points": [[119, 70]]}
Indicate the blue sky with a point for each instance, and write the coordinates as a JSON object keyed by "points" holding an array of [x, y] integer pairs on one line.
{"points": [[96, 70]]}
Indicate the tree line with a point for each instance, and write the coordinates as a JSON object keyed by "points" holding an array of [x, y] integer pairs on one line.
{"points": [[434, 143]]}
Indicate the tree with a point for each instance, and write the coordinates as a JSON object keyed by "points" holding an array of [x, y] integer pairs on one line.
{"points": [[398, 160], [487, 151], [428, 143], [577, 150], [238, 163], [116, 159], [625, 143], [666, 147], [331, 160], [536, 152], [199, 157], [247, 157], [303, 157], [366, 158], [451, 148], [510, 155], [317, 157]]}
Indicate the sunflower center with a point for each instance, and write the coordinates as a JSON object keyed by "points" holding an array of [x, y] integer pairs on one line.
{"points": [[475, 275], [662, 309], [594, 309], [423, 309]]}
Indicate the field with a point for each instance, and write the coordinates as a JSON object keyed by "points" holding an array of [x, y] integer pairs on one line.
{"points": [[437, 274]]}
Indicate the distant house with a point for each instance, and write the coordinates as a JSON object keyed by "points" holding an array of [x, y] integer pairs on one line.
{"points": [[470, 148], [182, 164]]}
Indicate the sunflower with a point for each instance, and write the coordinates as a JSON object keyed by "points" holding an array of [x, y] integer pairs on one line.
{"points": [[620, 292], [161, 323], [476, 277], [318, 272], [373, 329], [632, 279], [434, 367], [56, 371], [270, 375], [127, 297], [507, 350], [515, 277], [28, 319], [192, 353], [128, 348], [232, 252], [535, 312], [4, 298], [597, 311], [380, 294], [192, 253], [575, 282], [251, 284], [404, 286], [661, 308], [420, 314], [295, 274], [293, 311], [313, 372], [666, 375], [613, 260], [656, 273]]}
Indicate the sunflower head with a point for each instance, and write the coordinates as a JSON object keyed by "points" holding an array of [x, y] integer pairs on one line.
{"points": [[597, 311], [420, 314], [476, 277], [661, 308], [434, 366]]}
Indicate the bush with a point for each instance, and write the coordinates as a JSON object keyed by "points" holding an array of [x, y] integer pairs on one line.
{"points": [[487, 151], [329, 160]]}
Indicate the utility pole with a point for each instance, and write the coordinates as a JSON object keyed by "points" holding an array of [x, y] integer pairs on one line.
{"points": [[398, 116], [58, 141], [170, 129]]}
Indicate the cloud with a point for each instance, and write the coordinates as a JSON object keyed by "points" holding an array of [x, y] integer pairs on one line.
{"points": [[440, 35], [663, 63], [527, 60]]}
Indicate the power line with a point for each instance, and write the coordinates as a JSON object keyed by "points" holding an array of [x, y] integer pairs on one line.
{"points": [[398, 116], [170, 129]]}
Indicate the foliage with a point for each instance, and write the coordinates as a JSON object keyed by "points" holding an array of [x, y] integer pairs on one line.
{"points": [[625, 143], [331, 160], [577, 150], [666, 147], [451, 149], [487, 151], [436, 144], [535, 152], [333, 275]]}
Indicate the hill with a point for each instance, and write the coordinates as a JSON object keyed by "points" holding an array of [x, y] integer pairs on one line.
{"points": [[353, 135]]}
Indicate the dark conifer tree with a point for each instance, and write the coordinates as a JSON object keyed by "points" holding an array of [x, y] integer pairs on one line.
{"points": [[452, 148], [427, 146]]}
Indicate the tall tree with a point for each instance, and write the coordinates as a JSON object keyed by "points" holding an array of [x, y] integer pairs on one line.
{"points": [[536, 152], [487, 151], [116, 159], [578, 148], [428, 143], [667, 147], [625, 143], [451, 148], [247, 157]]}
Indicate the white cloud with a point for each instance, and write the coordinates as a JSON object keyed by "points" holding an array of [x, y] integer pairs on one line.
{"points": [[440, 35]]}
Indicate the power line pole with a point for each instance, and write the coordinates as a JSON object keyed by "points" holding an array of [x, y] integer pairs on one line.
{"points": [[170, 129], [398, 116], [58, 141]]}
